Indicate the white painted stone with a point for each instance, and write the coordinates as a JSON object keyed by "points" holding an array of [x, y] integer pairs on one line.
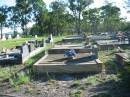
{"points": [[35, 36], [51, 41], [3, 37], [18, 36], [9, 37]]}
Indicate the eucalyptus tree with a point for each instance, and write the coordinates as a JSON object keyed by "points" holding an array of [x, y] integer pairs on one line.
{"points": [[77, 6], [13, 20], [57, 16], [40, 16], [3, 18], [24, 8], [111, 17], [91, 18]]}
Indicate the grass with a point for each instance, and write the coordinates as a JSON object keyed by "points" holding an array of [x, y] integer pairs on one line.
{"points": [[107, 58], [11, 43], [14, 42], [76, 93], [18, 78], [6, 72]]}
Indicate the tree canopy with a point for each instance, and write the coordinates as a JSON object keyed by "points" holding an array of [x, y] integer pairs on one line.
{"points": [[72, 16]]}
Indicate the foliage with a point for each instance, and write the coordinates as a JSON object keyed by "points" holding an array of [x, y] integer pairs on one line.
{"points": [[91, 17], [76, 93], [58, 20], [77, 6], [110, 14], [24, 13], [3, 18]]}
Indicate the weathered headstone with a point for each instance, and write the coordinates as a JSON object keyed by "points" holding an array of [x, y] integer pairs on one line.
{"points": [[95, 50], [9, 37], [31, 47], [3, 37], [51, 39], [18, 36], [44, 43], [35, 36]]}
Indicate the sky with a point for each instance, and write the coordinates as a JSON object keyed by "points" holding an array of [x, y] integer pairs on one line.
{"points": [[97, 3]]}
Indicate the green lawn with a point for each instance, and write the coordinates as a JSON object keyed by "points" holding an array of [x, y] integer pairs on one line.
{"points": [[14, 42]]}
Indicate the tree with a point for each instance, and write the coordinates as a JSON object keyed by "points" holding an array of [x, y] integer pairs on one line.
{"points": [[111, 17], [91, 18], [77, 6], [40, 17], [3, 17], [57, 16], [13, 21], [24, 13]]}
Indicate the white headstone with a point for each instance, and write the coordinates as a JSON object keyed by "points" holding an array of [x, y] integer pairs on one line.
{"points": [[44, 43], [9, 37], [3, 37], [51, 41], [18, 36], [35, 36]]}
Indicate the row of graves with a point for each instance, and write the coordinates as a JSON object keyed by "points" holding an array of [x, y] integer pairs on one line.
{"points": [[6, 37], [111, 41], [70, 57], [20, 53]]}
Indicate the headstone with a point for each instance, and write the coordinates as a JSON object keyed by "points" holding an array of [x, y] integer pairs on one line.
{"points": [[3, 37], [3, 49], [25, 51], [31, 47], [9, 37], [35, 36], [44, 43], [36, 43], [95, 50], [18, 36], [51, 39]]}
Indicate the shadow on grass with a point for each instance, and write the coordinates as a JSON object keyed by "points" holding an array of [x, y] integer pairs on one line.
{"points": [[61, 76], [111, 88]]}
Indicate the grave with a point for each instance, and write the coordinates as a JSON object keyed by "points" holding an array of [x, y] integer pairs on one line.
{"points": [[18, 36], [122, 58], [3, 37], [99, 37], [49, 39], [9, 37], [73, 38], [56, 62], [10, 58], [21, 53], [111, 44], [35, 36]]}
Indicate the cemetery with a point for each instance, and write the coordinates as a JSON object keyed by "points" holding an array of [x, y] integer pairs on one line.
{"points": [[64, 48]]}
